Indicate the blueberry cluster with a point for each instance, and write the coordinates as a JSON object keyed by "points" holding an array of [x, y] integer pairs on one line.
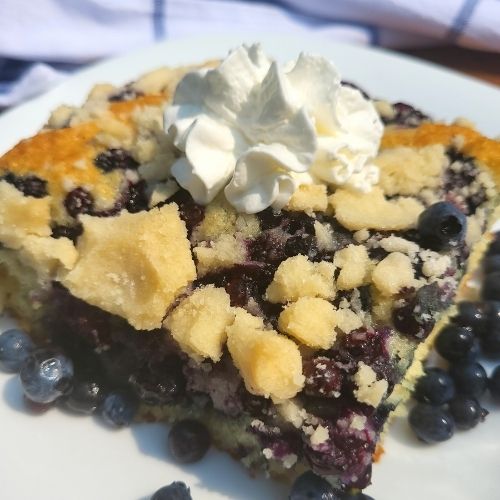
{"points": [[48, 376], [451, 399]]}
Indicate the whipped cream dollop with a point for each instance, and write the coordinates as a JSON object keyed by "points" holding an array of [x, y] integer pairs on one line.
{"points": [[258, 130]]}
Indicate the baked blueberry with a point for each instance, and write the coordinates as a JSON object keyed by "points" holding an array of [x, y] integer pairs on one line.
{"points": [[430, 423], [494, 383], [30, 185], [15, 347], [311, 486], [466, 412], [441, 226], [119, 409], [79, 201], [175, 491], [188, 441], [470, 378], [46, 376], [436, 387], [456, 343]]}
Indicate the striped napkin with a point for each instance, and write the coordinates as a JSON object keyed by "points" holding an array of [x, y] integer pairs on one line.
{"points": [[42, 41]]}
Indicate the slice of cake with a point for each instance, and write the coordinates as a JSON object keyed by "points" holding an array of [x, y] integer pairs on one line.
{"points": [[264, 250]]}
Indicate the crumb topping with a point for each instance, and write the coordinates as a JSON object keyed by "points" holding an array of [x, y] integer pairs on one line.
{"points": [[199, 322], [270, 364], [299, 277], [133, 277]]}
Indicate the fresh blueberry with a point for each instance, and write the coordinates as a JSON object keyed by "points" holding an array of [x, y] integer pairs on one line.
{"points": [[310, 486], [494, 383], [15, 347], [491, 263], [491, 286], [441, 226], [46, 376], [470, 378], [467, 412], [470, 314], [436, 387], [456, 343], [494, 248], [119, 409], [175, 491], [430, 423], [188, 441], [490, 333], [85, 397]]}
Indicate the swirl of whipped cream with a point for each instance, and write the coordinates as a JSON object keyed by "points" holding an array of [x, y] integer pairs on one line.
{"points": [[257, 131]]}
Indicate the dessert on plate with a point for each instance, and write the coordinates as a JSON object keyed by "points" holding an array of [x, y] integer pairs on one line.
{"points": [[261, 248]]}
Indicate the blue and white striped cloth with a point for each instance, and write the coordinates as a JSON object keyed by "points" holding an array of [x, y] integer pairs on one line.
{"points": [[41, 41]]}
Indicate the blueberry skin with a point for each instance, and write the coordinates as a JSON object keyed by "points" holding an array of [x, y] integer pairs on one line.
{"points": [[441, 226], [86, 396], [470, 379], [494, 383], [311, 486], [15, 347], [490, 333], [175, 491], [431, 424], [46, 376], [436, 387], [466, 412], [491, 263], [118, 409], [494, 248], [471, 314], [188, 441], [456, 343], [491, 286]]}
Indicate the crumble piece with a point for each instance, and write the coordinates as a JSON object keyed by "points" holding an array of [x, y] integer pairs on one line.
{"points": [[407, 171], [324, 236], [299, 277], [393, 273], [319, 436], [199, 322], [434, 264], [370, 390], [225, 251], [136, 278], [311, 321], [347, 320], [162, 191], [21, 216], [270, 363], [48, 255], [371, 210], [397, 244], [354, 264], [309, 198]]}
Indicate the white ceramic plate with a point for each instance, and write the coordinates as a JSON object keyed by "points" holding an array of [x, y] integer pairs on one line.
{"points": [[56, 456]]}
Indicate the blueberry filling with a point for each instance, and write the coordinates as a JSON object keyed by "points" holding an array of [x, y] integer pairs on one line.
{"points": [[29, 185], [114, 159], [405, 115]]}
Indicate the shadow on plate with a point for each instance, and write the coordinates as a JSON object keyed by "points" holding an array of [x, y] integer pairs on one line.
{"points": [[217, 472]]}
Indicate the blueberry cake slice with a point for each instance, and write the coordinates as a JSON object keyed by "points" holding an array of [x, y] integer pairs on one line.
{"points": [[265, 250]]}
